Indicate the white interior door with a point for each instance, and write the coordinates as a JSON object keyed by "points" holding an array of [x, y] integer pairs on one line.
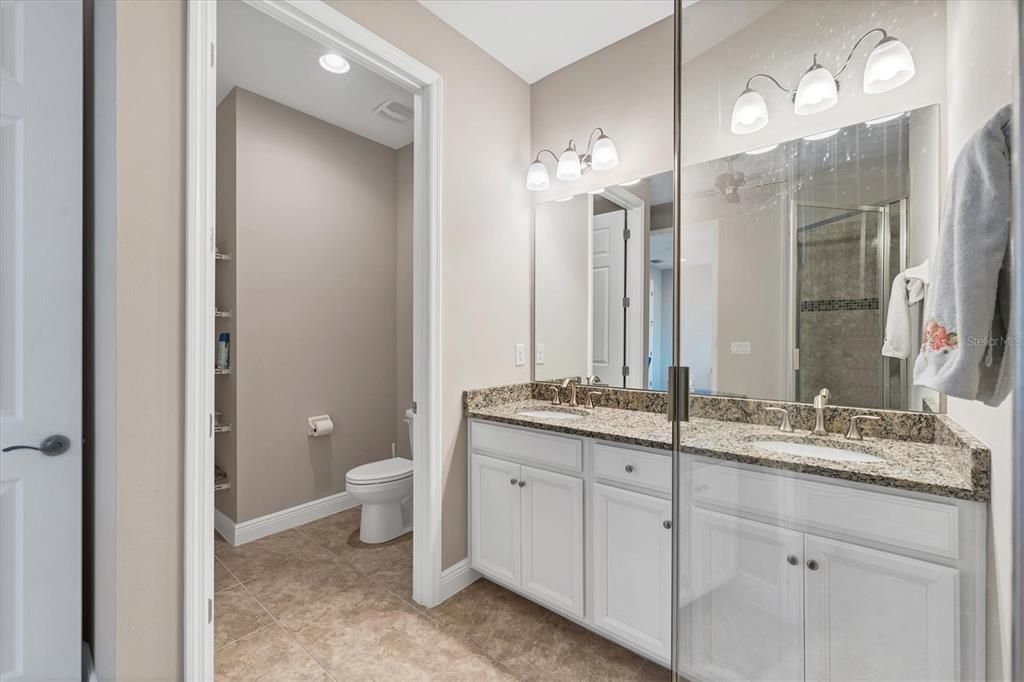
{"points": [[40, 338], [609, 286]]}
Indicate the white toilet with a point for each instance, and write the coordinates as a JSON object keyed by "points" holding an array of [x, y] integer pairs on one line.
{"points": [[384, 488]]}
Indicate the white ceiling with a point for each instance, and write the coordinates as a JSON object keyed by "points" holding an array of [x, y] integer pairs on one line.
{"points": [[262, 55], [534, 38]]}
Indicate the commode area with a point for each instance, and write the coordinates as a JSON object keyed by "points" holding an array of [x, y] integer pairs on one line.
{"points": [[384, 489]]}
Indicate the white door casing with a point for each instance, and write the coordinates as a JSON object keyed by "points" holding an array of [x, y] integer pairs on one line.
{"points": [[631, 568], [41, 82], [495, 518], [608, 283], [873, 615], [552, 539]]}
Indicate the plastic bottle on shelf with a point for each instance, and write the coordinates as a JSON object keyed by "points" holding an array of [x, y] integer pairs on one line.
{"points": [[223, 350]]}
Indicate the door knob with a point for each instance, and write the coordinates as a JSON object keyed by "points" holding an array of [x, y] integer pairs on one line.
{"points": [[813, 565], [51, 445], [793, 561], [513, 481], [667, 525], [629, 468], [522, 484]]}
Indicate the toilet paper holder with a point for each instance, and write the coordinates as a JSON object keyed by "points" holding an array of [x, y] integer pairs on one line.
{"points": [[321, 425]]}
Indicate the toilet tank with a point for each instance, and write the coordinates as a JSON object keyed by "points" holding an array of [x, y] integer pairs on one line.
{"points": [[409, 416]]}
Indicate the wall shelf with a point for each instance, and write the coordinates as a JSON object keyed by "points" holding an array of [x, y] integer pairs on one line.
{"points": [[221, 370], [222, 313], [222, 256], [220, 480], [221, 428]]}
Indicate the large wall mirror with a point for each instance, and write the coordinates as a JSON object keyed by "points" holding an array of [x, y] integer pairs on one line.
{"points": [[788, 261]]}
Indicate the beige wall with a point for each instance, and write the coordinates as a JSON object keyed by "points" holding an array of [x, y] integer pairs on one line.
{"points": [[626, 89], [315, 307], [137, 627], [485, 249], [403, 295], [981, 41]]}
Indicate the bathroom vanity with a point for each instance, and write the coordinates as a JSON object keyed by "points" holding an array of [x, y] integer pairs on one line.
{"points": [[791, 567]]}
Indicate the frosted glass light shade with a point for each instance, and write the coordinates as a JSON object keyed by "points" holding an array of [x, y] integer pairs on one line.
{"points": [[750, 113], [889, 66], [537, 177], [605, 156], [816, 93], [569, 166]]}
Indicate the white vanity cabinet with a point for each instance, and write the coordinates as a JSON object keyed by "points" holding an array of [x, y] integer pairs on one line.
{"points": [[792, 578], [536, 499], [526, 523]]}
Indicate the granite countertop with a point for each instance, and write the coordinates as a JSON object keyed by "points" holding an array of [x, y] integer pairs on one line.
{"points": [[958, 470]]}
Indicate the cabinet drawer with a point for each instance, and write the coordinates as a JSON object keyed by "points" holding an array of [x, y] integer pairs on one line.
{"points": [[892, 519], [528, 446], [635, 468]]}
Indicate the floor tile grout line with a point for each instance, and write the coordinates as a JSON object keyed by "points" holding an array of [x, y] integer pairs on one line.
{"points": [[230, 572], [245, 636], [289, 633]]}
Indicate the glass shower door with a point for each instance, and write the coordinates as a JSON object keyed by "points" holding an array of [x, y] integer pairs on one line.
{"points": [[840, 280]]}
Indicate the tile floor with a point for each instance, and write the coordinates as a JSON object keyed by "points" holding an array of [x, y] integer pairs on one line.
{"points": [[314, 603]]}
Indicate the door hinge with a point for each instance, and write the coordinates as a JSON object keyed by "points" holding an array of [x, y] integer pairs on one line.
{"points": [[796, 358], [626, 234], [625, 301], [625, 370], [211, 425], [414, 408], [213, 55], [209, 610]]}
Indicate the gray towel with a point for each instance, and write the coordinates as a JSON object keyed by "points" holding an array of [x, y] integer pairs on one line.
{"points": [[967, 316]]}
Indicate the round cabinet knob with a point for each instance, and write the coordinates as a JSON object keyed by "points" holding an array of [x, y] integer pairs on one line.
{"points": [[522, 484], [813, 565], [629, 468], [793, 561], [513, 481], [667, 525]]}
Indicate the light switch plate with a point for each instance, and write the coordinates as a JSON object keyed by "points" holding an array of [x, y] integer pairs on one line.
{"points": [[741, 347], [520, 354], [540, 353]]}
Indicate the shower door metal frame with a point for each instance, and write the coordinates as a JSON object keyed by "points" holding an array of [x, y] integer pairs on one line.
{"points": [[884, 212]]}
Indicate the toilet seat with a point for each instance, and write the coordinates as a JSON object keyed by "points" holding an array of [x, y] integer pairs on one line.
{"points": [[383, 471]]}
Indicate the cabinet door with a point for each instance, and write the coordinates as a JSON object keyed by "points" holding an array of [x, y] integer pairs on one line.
{"points": [[552, 522], [872, 615], [494, 518], [632, 568], [745, 617]]}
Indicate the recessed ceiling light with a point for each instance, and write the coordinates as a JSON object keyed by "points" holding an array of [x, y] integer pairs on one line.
{"points": [[334, 63], [883, 119], [821, 136], [630, 183], [596, 191], [762, 150]]}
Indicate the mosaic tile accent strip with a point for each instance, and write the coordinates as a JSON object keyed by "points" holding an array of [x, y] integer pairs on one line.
{"points": [[827, 304]]}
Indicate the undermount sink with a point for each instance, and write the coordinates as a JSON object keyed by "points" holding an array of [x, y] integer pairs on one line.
{"points": [[550, 414], [815, 451]]}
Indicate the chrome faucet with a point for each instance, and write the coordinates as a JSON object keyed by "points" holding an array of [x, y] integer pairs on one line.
{"points": [[854, 431], [820, 403], [572, 383]]}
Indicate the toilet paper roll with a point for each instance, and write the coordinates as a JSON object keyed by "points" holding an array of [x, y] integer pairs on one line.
{"points": [[320, 426]]}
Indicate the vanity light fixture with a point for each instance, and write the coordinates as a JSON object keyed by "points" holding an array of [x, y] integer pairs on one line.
{"points": [[334, 63], [762, 150], [571, 165], [821, 136], [889, 66], [882, 119]]}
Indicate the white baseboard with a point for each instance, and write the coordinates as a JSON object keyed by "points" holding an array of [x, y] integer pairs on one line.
{"points": [[456, 578], [247, 531]]}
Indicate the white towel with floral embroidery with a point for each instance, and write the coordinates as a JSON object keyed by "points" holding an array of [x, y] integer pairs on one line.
{"points": [[963, 353]]}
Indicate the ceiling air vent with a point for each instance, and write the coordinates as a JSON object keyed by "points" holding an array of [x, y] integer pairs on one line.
{"points": [[394, 111]]}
